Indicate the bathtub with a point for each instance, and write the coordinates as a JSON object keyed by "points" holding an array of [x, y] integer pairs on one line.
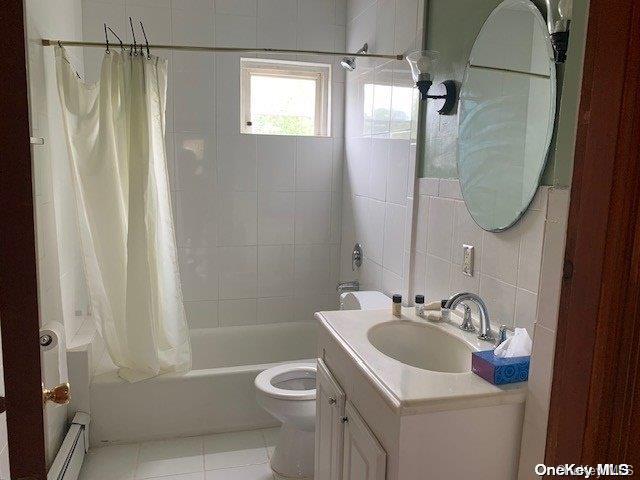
{"points": [[217, 395]]}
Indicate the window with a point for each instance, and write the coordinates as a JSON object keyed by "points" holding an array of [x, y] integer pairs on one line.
{"points": [[284, 98]]}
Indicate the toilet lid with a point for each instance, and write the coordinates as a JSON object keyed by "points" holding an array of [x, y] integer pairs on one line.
{"points": [[289, 382]]}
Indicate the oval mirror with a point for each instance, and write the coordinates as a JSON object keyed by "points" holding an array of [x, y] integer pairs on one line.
{"points": [[506, 114]]}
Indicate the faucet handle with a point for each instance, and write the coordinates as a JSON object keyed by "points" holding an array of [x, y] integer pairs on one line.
{"points": [[502, 335], [467, 323]]}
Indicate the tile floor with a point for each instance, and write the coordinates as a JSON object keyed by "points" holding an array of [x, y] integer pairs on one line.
{"points": [[225, 456]]}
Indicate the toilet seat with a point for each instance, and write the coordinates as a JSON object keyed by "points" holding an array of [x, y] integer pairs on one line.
{"points": [[287, 382]]}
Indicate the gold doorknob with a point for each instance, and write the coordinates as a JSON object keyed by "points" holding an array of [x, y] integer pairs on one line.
{"points": [[59, 394]]}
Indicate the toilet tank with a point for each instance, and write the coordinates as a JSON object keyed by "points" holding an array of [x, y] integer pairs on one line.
{"points": [[364, 300]]}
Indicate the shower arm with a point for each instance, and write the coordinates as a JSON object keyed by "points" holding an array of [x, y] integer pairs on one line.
{"points": [[192, 48]]}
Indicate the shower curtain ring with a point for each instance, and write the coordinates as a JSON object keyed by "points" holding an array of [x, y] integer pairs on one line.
{"points": [[146, 41], [134, 47], [106, 39]]}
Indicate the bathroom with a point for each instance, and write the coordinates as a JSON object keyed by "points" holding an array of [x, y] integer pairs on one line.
{"points": [[317, 171]]}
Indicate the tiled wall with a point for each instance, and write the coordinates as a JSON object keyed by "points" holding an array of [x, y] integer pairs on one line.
{"points": [[258, 217], [380, 124], [507, 264]]}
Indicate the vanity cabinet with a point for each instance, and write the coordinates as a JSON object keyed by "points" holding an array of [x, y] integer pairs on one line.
{"points": [[345, 447], [330, 400], [364, 458]]}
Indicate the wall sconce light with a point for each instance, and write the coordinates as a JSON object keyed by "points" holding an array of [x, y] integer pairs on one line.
{"points": [[558, 19], [422, 62]]}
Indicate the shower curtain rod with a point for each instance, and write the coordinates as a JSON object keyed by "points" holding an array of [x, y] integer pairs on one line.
{"points": [[192, 48]]}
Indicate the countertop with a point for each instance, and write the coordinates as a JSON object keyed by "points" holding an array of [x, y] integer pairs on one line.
{"points": [[411, 390]]}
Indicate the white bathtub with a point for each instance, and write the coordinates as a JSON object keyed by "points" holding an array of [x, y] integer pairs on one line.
{"points": [[216, 396]]}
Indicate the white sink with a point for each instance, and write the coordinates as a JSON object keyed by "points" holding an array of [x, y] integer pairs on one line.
{"points": [[422, 346]]}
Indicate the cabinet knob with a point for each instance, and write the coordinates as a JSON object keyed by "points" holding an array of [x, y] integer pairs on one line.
{"points": [[332, 401]]}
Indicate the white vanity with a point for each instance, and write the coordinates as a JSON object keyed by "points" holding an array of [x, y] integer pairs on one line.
{"points": [[415, 411]]}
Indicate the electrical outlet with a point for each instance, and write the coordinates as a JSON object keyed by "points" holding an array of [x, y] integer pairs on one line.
{"points": [[467, 260]]}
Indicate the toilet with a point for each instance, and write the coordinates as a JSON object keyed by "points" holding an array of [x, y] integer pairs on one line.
{"points": [[288, 393]]}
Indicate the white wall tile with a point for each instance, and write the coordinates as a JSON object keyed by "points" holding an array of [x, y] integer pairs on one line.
{"points": [[437, 279], [321, 11], [525, 314], [235, 31], [500, 298], [465, 232], [192, 26], [237, 163], [391, 283], [238, 267], [276, 33], [385, 26], [193, 92], [197, 218], [286, 10], [276, 212], [275, 271], [238, 312], [202, 314], [237, 7], [532, 228], [316, 36], [407, 18], [422, 223], [195, 161], [156, 20], [373, 239], [238, 218], [276, 310], [312, 217], [276, 163], [314, 164], [393, 238], [199, 273], [370, 275], [500, 255], [398, 171], [227, 94], [315, 269], [379, 168], [440, 227]]}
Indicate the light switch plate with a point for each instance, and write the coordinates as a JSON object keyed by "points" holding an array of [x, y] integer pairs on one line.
{"points": [[467, 260]]}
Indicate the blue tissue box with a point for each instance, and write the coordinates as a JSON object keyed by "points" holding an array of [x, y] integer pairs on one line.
{"points": [[498, 370]]}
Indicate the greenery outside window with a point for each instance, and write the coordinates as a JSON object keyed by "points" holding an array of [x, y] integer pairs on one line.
{"points": [[284, 97]]}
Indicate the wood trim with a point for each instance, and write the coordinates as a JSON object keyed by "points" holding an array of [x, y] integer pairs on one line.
{"points": [[594, 406], [18, 281]]}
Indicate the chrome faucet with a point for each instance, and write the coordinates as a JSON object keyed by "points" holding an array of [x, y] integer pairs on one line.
{"points": [[352, 286], [467, 325]]}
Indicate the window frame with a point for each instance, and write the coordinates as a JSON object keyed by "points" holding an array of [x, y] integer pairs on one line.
{"points": [[319, 72]]}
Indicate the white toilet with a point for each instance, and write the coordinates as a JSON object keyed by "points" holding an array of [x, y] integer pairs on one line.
{"points": [[288, 392]]}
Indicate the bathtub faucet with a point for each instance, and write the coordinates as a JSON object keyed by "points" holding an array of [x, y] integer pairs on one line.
{"points": [[351, 286]]}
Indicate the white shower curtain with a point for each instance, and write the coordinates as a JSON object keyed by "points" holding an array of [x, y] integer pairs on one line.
{"points": [[115, 132]]}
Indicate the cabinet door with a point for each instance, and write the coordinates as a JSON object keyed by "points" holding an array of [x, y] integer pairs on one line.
{"points": [[364, 457], [329, 426]]}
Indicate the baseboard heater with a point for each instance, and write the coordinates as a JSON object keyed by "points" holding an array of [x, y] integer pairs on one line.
{"points": [[68, 461]]}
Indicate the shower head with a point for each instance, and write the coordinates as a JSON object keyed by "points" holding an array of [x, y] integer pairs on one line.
{"points": [[349, 63]]}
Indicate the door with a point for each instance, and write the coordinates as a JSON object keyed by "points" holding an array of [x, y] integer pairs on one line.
{"points": [[18, 284], [364, 458], [594, 415], [329, 425]]}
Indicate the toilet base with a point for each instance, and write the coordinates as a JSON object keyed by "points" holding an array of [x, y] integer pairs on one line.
{"points": [[293, 457]]}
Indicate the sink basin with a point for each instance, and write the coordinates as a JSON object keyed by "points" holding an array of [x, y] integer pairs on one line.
{"points": [[421, 346]]}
